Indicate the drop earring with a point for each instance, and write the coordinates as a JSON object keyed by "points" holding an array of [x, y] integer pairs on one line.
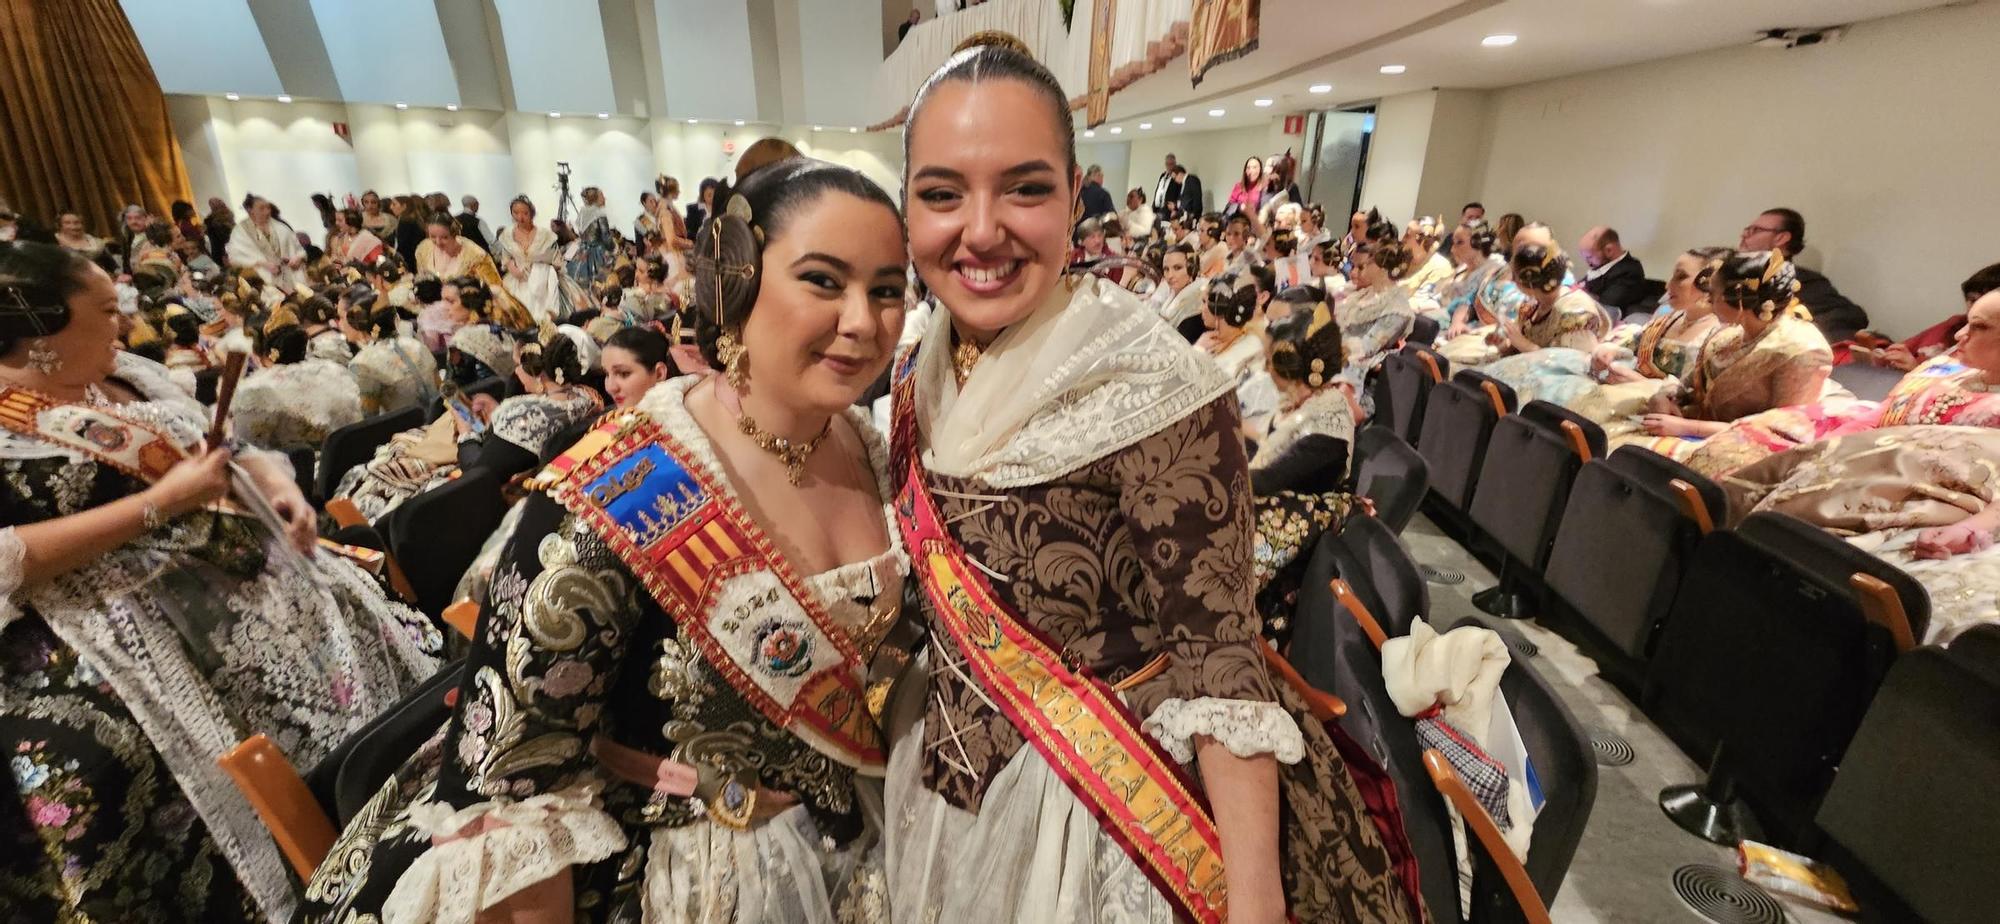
{"points": [[43, 359], [731, 351]]}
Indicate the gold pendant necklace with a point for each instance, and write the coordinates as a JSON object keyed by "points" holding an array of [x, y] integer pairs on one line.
{"points": [[793, 455], [964, 355]]}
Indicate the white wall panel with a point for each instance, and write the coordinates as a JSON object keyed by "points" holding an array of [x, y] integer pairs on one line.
{"points": [[387, 51], [556, 56], [705, 59], [226, 55]]}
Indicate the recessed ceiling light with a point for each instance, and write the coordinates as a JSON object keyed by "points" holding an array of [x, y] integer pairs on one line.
{"points": [[604, 115], [1320, 88], [1393, 68], [1180, 120], [739, 121], [1262, 103], [402, 105], [232, 97], [1090, 133], [853, 130], [1501, 40], [284, 99], [692, 121], [1216, 112], [1145, 126], [819, 128], [1118, 129], [451, 107]]}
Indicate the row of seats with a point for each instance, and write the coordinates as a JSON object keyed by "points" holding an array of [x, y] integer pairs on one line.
{"points": [[1759, 650]]}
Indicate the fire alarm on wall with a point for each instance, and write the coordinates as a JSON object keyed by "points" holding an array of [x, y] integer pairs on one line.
{"points": [[340, 128], [728, 146]]}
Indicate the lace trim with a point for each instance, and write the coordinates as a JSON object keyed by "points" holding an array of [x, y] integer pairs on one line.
{"points": [[520, 844], [13, 565], [1247, 728]]}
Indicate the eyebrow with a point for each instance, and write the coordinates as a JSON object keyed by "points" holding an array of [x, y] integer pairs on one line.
{"points": [[835, 262], [1018, 170]]}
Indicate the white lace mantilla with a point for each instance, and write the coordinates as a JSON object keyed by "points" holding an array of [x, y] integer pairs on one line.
{"points": [[13, 562], [518, 845], [1245, 727]]}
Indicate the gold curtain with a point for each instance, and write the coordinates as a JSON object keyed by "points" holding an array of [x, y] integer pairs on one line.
{"points": [[83, 124], [1220, 31]]}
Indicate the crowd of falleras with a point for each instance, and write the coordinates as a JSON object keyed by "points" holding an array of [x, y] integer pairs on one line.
{"points": [[696, 691]]}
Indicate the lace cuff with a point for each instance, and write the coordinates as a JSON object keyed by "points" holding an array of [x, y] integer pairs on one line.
{"points": [[1247, 728], [13, 569], [514, 845]]}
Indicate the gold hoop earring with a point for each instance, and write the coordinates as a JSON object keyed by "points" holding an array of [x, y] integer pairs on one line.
{"points": [[731, 351]]}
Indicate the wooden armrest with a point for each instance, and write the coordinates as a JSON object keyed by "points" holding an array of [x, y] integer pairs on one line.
{"points": [[1692, 505], [462, 616], [1577, 441], [1430, 365], [1884, 608], [1344, 595], [345, 513], [1325, 706], [280, 797], [1481, 824], [1492, 390]]}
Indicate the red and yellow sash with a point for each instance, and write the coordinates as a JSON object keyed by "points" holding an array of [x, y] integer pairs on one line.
{"points": [[133, 448], [717, 576], [1139, 794]]}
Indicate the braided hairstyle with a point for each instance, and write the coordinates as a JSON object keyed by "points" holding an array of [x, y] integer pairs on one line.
{"points": [[473, 295], [1481, 236], [1539, 268], [1232, 298], [1305, 345], [36, 282], [995, 55], [287, 344], [728, 263], [1763, 281], [556, 359], [372, 316], [1385, 247]]}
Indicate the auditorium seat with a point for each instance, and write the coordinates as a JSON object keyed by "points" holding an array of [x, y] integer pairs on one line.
{"points": [[1423, 331], [372, 755], [1566, 767], [280, 798], [1402, 387], [1979, 649], [1391, 473], [303, 461], [1524, 480], [1315, 464], [356, 443], [1909, 821], [1623, 544], [435, 535], [1779, 635], [1459, 417]]}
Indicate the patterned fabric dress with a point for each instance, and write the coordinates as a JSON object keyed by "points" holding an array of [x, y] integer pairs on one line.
{"points": [[573, 653], [1373, 322], [1115, 520], [1326, 412], [416, 460], [394, 374], [121, 683], [295, 405], [1784, 366]]}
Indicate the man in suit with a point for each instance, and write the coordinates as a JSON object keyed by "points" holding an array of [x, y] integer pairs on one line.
{"points": [[1167, 192], [1096, 199], [472, 227], [1785, 229], [1191, 199], [1616, 278]]}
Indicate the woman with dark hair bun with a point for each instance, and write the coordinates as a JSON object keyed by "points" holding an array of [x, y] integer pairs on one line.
{"points": [[482, 345], [319, 320], [1474, 264], [298, 397], [1375, 314], [392, 369], [1305, 356], [668, 716], [636, 359], [1555, 315], [1045, 399], [148, 630]]}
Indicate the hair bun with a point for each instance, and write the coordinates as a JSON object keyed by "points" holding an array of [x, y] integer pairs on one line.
{"points": [[994, 38]]}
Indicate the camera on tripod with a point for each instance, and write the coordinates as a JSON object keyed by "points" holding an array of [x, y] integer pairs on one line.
{"points": [[562, 169]]}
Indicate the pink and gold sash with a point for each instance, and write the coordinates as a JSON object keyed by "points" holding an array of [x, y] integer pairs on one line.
{"points": [[729, 592], [130, 447], [1140, 796]]}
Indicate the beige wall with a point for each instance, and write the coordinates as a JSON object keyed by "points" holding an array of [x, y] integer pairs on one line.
{"points": [[1885, 141], [1217, 157], [1395, 169]]}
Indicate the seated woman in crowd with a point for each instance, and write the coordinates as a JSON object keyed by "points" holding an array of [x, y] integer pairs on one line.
{"points": [[1375, 315], [188, 351], [1549, 343], [320, 321], [606, 763], [1672, 340], [483, 345], [1233, 314], [145, 632], [1769, 356], [533, 262], [509, 440], [297, 398], [1474, 265], [1871, 347], [1433, 266], [1304, 357], [71, 235], [447, 254], [392, 370]]}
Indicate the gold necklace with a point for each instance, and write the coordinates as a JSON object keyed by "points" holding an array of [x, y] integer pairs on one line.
{"points": [[793, 455], [964, 355]]}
